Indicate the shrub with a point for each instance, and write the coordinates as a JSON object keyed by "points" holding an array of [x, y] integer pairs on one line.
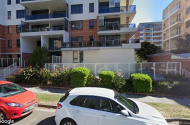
{"points": [[176, 77], [93, 81], [128, 87], [34, 76], [118, 82], [142, 82], [11, 78], [106, 78], [162, 87], [62, 77], [79, 76], [181, 89]]}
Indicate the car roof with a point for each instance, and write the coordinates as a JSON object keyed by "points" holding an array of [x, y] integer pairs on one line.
{"points": [[4, 82], [93, 91]]}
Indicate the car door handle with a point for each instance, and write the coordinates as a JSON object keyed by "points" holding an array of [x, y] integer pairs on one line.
{"points": [[103, 116]]}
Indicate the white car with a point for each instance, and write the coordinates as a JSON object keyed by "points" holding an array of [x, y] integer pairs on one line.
{"points": [[100, 106]]}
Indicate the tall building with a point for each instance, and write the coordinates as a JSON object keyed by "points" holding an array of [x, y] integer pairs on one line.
{"points": [[150, 32], [90, 31], [176, 22]]}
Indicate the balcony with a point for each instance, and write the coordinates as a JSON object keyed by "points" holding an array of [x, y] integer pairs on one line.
{"points": [[156, 31], [165, 38], [149, 31], [46, 16], [43, 29], [175, 34], [157, 40], [175, 9], [119, 10], [165, 16], [112, 27], [175, 22]]}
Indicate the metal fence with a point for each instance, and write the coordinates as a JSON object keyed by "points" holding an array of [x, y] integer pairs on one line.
{"points": [[5, 62], [8, 70], [56, 59], [156, 70]]}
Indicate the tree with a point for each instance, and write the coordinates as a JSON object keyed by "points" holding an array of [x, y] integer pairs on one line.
{"points": [[39, 57], [147, 49], [183, 44]]}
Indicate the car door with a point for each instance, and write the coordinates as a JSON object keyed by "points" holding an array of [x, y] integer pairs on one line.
{"points": [[110, 113], [85, 110]]}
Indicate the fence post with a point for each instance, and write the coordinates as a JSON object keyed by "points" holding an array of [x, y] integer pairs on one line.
{"points": [[19, 62], [129, 70], [95, 69], [53, 68], [7, 61], [154, 65], [141, 67], [2, 62], [13, 60]]}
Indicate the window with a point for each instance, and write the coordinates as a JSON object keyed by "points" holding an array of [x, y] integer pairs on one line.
{"points": [[9, 44], [18, 28], [91, 7], [20, 14], [75, 56], [10, 56], [85, 101], [75, 9], [188, 24], [18, 43], [76, 25], [9, 14], [91, 24], [110, 106], [17, 1], [8, 2], [9, 29], [187, 10]]}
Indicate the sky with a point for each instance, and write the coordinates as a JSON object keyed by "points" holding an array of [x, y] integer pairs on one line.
{"points": [[149, 10]]}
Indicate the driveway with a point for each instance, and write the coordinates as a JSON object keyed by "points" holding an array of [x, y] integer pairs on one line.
{"points": [[41, 116]]}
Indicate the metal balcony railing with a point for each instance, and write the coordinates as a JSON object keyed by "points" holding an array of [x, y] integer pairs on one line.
{"points": [[43, 29], [130, 8], [115, 26], [45, 16]]}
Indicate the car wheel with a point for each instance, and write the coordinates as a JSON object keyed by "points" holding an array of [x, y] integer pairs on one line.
{"points": [[2, 116], [68, 122]]}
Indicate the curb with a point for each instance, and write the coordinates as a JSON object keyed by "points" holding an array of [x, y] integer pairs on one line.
{"points": [[177, 119], [47, 106]]}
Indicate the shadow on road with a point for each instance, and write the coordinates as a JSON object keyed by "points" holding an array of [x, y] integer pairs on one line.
{"points": [[47, 121]]}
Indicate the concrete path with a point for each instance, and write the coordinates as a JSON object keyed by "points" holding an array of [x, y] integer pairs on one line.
{"points": [[142, 98]]}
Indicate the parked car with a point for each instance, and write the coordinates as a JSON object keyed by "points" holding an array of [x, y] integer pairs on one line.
{"points": [[15, 101], [100, 106]]}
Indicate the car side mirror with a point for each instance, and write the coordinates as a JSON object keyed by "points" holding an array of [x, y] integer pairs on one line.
{"points": [[125, 112]]}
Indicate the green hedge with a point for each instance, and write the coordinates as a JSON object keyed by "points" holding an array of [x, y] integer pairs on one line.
{"points": [[107, 78], [142, 82], [79, 76]]}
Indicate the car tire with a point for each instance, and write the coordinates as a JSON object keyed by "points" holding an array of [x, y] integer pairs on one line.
{"points": [[68, 122], [2, 116]]}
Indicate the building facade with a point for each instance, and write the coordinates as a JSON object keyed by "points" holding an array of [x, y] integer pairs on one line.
{"points": [[176, 22], [150, 32], [81, 32]]}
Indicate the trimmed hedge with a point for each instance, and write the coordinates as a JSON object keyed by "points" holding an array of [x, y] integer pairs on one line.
{"points": [[107, 78], [162, 87], [142, 82], [79, 76]]}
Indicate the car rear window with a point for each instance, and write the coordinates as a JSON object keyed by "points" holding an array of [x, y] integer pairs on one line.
{"points": [[64, 97]]}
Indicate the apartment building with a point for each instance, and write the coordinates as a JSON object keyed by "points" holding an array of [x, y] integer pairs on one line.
{"points": [[176, 22], [150, 32], [91, 31]]}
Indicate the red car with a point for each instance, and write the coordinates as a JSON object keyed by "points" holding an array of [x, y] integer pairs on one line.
{"points": [[15, 101]]}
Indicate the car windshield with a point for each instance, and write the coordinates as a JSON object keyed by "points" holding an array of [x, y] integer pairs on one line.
{"points": [[129, 104], [10, 89]]}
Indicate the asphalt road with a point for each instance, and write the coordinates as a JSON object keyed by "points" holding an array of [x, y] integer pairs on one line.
{"points": [[40, 116]]}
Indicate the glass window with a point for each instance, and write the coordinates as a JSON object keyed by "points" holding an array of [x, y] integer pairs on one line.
{"points": [[17, 1], [76, 25], [91, 7], [9, 14], [75, 9], [75, 56], [20, 13], [91, 24], [8, 2], [18, 28], [18, 43], [11, 89], [85, 101], [110, 106], [9, 44]]}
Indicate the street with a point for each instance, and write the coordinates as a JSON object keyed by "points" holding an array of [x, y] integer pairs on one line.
{"points": [[40, 116]]}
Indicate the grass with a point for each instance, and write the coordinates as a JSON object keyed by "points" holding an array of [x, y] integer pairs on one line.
{"points": [[172, 110], [48, 97]]}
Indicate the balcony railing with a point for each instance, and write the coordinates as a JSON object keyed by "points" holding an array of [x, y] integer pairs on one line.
{"points": [[45, 16], [176, 21], [115, 26], [131, 8], [165, 16], [108, 43], [43, 29], [175, 34], [175, 9]]}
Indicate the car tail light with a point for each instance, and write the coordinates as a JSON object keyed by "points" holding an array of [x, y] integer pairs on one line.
{"points": [[59, 106]]}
